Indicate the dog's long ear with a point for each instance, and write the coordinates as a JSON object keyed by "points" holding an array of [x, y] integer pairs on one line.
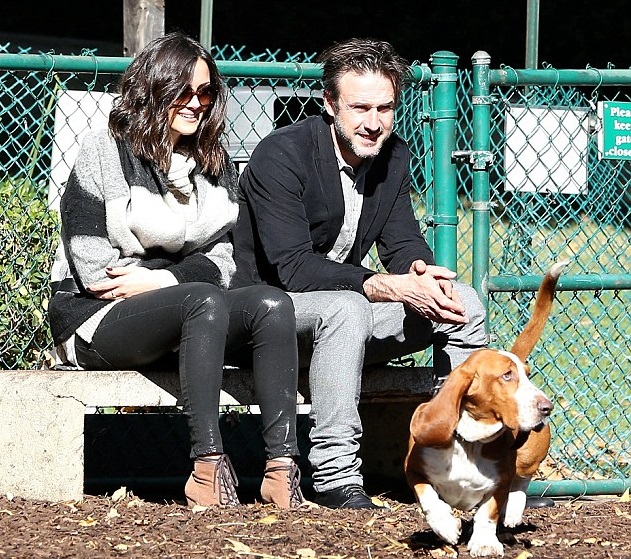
{"points": [[434, 422], [526, 341]]}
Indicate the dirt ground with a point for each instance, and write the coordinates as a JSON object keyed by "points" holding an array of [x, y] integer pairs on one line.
{"points": [[124, 525]]}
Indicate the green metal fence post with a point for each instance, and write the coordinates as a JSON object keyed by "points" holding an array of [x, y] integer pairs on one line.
{"points": [[206, 24], [532, 34], [481, 188], [444, 116]]}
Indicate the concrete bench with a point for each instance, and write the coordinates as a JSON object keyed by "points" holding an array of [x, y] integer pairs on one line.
{"points": [[43, 416]]}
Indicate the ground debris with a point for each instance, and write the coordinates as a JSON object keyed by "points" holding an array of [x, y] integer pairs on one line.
{"points": [[99, 527]]}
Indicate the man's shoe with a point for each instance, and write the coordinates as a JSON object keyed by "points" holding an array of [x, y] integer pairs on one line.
{"points": [[346, 497]]}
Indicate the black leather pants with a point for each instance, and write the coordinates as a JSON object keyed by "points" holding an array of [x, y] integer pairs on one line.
{"points": [[255, 325]]}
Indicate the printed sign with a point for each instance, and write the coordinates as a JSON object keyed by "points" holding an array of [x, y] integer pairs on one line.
{"points": [[614, 137]]}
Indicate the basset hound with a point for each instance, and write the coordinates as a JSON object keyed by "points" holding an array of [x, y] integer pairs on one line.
{"points": [[478, 442]]}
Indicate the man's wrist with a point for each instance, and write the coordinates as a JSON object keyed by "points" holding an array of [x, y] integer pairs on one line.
{"points": [[376, 288]]}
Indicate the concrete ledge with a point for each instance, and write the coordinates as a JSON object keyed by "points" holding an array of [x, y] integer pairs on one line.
{"points": [[42, 436]]}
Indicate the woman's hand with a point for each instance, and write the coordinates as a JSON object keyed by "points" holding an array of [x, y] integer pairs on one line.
{"points": [[125, 281]]}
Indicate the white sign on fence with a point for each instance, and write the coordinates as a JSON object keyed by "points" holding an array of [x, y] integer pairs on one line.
{"points": [[76, 113], [546, 150]]}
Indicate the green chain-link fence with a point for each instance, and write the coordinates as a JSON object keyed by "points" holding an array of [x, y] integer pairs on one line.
{"points": [[520, 146]]}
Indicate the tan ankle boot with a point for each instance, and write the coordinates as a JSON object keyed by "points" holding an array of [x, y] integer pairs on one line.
{"points": [[281, 484], [212, 483]]}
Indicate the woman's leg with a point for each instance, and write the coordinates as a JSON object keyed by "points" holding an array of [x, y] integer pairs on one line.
{"points": [[262, 322], [144, 328], [262, 319]]}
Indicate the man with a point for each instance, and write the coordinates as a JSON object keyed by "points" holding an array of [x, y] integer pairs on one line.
{"points": [[316, 196]]}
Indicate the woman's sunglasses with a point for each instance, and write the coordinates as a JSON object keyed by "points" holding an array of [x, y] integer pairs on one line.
{"points": [[205, 95]]}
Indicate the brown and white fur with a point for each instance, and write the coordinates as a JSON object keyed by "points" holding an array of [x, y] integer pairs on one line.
{"points": [[478, 442]]}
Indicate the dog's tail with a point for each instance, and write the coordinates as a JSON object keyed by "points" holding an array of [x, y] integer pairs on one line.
{"points": [[526, 341]]}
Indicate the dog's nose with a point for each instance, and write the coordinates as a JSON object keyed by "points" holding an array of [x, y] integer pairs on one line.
{"points": [[545, 406]]}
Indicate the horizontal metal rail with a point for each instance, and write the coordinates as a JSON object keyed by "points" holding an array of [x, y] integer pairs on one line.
{"points": [[594, 282], [113, 64], [554, 77], [557, 488], [579, 487]]}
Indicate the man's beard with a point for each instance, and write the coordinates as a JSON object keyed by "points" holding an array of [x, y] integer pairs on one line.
{"points": [[347, 142]]}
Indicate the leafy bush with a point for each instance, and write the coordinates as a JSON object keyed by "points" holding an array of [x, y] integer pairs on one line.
{"points": [[28, 233]]}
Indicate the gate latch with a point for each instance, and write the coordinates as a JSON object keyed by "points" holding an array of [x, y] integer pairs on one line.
{"points": [[480, 160]]}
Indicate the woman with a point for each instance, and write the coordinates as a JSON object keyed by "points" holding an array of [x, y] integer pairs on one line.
{"points": [[146, 262]]}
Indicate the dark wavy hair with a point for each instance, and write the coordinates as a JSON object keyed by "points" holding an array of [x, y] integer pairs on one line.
{"points": [[148, 88], [361, 56]]}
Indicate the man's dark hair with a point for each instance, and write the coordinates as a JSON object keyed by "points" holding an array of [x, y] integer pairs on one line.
{"points": [[361, 56]]}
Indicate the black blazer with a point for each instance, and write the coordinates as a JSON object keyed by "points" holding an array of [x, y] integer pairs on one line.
{"points": [[292, 209]]}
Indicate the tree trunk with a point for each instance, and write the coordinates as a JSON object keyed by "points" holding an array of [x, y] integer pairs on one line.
{"points": [[143, 21]]}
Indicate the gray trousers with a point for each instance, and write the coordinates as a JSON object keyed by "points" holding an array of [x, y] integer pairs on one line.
{"points": [[339, 332]]}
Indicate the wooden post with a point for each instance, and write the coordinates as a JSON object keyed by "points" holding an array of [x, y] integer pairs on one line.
{"points": [[143, 21]]}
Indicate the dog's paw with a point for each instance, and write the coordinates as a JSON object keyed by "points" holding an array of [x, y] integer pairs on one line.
{"points": [[512, 519], [514, 509], [445, 525], [485, 546], [484, 541]]}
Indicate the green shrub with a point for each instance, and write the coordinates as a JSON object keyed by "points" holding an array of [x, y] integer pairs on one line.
{"points": [[29, 233]]}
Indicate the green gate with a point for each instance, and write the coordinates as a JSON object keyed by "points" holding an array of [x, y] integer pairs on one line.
{"points": [[540, 189]]}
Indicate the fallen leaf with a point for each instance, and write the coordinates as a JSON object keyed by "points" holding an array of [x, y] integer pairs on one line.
{"points": [[621, 512], [305, 552], [198, 508], [121, 547], [537, 543], [5, 511], [113, 513], [625, 497], [134, 503], [571, 542], [590, 540], [307, 520], [443, 551], [377, 501], [238, 546], [269, 519], [89, 521], [524, 555], [119, 494]]}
